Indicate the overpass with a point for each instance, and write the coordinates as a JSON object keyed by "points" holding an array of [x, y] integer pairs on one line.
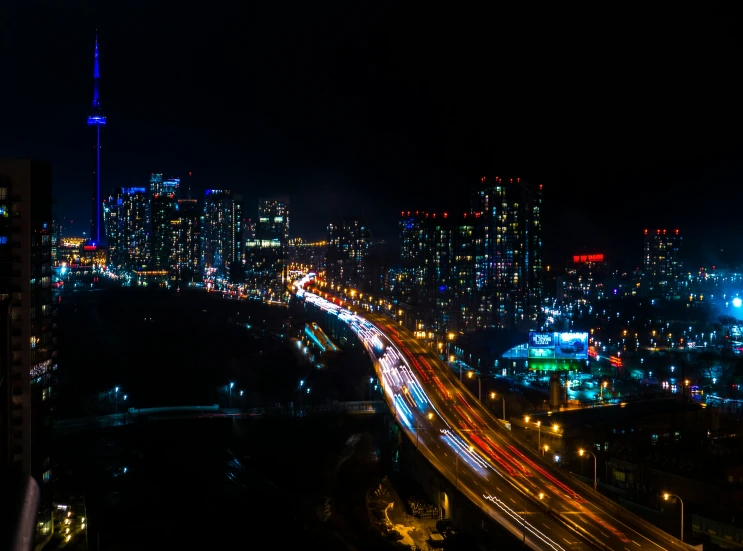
{"points": [[168, 413], [507, 481]]}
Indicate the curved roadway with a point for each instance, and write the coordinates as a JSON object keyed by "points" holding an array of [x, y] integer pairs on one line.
{"points": [[460, 437]]}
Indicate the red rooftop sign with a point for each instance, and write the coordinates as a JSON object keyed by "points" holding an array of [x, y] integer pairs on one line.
{"points": [[586, 258]]}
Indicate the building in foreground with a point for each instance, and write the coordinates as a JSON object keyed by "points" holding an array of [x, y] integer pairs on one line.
{"points": [[26, 282]]}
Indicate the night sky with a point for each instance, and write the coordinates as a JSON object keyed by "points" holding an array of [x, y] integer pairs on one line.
{"points": [[369, 109]]}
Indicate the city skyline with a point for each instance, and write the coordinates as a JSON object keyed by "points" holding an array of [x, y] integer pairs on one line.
{"points": [[289, 109]]}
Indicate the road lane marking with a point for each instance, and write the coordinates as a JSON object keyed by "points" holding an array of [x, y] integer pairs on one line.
{"points": [[512, 499], [637, 544], [605, 535], [627, 549]]}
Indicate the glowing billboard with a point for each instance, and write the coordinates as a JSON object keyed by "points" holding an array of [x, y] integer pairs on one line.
{"points": [[550, 345], [571, 345]]}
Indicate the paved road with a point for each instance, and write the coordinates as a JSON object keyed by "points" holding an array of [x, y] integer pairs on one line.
{"points": [[520, 465], [489, 465]]}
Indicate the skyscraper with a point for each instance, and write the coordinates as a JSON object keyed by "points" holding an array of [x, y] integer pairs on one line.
{"points": [[509, 252], [97, 119], [163, 236], [126, 216], [221, 234], [662, 268], [26, 281], [266, 255], [188, 252], [348, 246]]}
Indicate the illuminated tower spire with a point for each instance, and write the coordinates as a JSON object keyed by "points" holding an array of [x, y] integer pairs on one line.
{"points": [[96, 118]]}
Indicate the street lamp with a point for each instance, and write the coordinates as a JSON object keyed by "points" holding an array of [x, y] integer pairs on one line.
{"points": [[667, 496], [539, 437], [471, 374], [231, 385], [545, 449], [582, 452], [116, 399], [493, 396]]}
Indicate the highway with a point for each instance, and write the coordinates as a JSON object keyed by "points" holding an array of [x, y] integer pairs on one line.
{"points": [[485, 462]]}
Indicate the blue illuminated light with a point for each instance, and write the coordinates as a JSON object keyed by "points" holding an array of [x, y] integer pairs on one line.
{"points": [[96, 120], [133, 190]]}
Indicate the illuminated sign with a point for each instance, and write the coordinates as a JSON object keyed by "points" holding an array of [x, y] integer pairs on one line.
{"points": [[571, 345], [542, 353], [586, 258], [558, 345], [90, 247], [539, 339]]}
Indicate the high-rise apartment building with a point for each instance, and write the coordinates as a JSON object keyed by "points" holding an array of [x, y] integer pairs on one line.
{"points": [[221, 232], [482, 269], [509, 252], [266, 264], [438, 271], [188, 249], [661, 276], [126, 219], [164, 212], [26, 282], [348, 245]]}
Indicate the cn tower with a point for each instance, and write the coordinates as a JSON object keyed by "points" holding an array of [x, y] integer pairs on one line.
{"points": [[96, 118]]}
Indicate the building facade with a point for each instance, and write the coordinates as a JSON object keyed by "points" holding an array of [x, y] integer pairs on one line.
{"points": [[266, 258], [26, 281], [348, 246], [126, 215], [662, 268], [221, 232]]}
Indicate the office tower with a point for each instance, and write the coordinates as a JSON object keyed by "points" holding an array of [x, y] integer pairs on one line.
{"points": [[348, 247], [267, 254], [188, 255], [219, 236], [97, 119], [26, 280], [126, 215], [163, 235], [662, 268], [509, 253]]}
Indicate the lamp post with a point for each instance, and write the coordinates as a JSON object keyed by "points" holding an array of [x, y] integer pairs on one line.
{"points": [[493, 396], [231, 385], [116, 399], [667, 496], [539, 434], [582, 452], [471, 374]]}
